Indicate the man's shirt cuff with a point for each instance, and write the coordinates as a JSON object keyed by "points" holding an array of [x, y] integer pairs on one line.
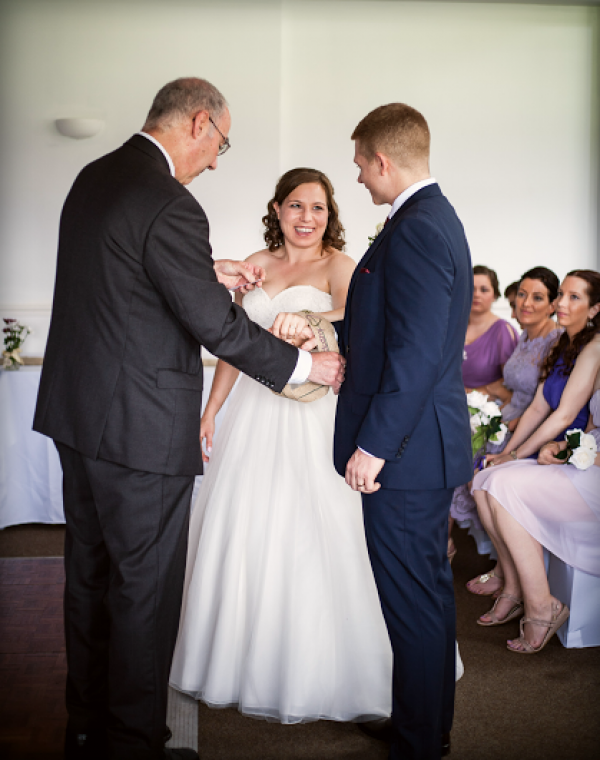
{"points": [[367, 453], [302, 369]]}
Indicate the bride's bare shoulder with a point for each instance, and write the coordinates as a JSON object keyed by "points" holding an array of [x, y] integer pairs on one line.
{"points": [[262, 258], [340, 262]]}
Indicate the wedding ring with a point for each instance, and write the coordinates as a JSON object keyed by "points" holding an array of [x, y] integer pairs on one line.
{"points": [[361, 482]]}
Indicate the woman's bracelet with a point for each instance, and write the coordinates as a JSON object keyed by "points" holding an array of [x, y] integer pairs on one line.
{"points": [[513, 455]]}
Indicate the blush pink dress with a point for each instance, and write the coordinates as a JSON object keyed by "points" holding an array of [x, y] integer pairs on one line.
{"points": [[557, 504]]}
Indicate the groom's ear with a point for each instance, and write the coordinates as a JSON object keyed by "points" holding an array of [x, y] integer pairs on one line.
{"points": [[383, 164]]}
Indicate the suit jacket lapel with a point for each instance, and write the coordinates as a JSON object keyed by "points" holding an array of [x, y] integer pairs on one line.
{"points": [[425, 192]]}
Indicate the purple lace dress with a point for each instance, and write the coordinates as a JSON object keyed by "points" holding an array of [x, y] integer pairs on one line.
{"points": [[521, 376], [557, 504]]}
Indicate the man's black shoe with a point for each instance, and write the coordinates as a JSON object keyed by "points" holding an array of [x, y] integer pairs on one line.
{"points": [[445, 744], [177, 753], [89, 746], [378, 729]]}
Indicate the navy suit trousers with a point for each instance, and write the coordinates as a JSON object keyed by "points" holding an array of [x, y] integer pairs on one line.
{"points": [[407, 537]]}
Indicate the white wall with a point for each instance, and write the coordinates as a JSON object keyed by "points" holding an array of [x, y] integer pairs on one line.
{"points": [[509, 92]]}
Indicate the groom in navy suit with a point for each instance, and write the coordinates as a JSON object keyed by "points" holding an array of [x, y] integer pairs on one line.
{"points": [[402, 434]]}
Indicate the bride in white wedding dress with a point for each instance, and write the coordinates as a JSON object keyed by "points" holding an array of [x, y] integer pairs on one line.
{"points": [[280, 615]]}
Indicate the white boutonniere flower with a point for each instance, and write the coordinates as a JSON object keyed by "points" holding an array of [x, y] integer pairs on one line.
{"points": [[378, 229]]}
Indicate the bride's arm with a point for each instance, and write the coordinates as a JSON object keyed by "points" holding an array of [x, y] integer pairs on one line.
{"points": [[223, 382]]}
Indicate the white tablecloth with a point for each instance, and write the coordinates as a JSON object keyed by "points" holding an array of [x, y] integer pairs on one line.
{"points": [[30, 472]]}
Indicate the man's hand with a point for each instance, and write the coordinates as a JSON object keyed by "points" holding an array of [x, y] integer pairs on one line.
{"points": [[328, 369], [362, 470], [549, 451], [239, 275]]}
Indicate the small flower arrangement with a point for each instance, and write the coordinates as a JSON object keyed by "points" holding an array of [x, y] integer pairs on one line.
{"points": [[581, 449], [14, 336], [378, 229], [486, 422]]}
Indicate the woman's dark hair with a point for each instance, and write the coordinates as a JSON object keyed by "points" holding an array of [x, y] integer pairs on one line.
{"points": [[491, 275], [511, 290], [545, 276], [564, 347], [334, 234]]}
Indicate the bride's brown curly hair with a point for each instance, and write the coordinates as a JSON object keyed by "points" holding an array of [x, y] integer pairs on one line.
{"points": [[569, 349], [288, 182]]}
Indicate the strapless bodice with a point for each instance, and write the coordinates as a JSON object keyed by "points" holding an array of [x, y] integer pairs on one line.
{"points": [[263, 309]]}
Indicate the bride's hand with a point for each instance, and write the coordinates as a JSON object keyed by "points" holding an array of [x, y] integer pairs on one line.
{"points": [[290, 327], [207, 430]]}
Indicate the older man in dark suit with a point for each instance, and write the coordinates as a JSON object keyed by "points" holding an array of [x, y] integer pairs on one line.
{"points": [[136, 295], [402, 428]]}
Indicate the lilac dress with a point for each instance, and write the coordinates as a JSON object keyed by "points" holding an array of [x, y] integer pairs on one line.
{"points": [[487, 354], [557, 504], [521, 375]]}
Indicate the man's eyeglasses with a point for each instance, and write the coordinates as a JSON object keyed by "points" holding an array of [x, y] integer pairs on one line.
{"points": [[225, 145]]}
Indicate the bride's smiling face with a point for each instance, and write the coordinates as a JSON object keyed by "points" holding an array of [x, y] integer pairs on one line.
{"points": [[303, 215]]}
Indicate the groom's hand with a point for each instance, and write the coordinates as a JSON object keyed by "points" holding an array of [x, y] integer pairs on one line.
{"points": [[328, 368], [362, 470], [239, 275]]}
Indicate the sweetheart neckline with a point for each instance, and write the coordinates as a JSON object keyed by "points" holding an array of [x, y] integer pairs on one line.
{"points": [[292, 287]]}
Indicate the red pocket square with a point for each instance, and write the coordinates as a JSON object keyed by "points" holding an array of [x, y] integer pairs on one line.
{"points": [[364, 270]]}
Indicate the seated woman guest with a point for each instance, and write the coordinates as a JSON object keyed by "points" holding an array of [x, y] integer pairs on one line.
{"points": [[534, 304], [510, 293], [488, 344], [525, 507]]}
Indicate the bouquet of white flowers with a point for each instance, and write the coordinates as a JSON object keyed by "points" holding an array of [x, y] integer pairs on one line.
{"points": [[581, 449], [14, 337], [486, 422]]}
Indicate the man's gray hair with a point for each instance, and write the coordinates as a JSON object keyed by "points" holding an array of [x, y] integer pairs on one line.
{"points": [[181, 99]]}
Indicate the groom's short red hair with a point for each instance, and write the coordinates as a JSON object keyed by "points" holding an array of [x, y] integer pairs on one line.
{"points": [[396, 130]]}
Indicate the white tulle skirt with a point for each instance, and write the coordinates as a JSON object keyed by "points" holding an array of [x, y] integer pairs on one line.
{"points": [[280, 614]]}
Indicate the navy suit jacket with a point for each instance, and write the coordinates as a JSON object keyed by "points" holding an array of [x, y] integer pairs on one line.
{"points": [[403, 336]]}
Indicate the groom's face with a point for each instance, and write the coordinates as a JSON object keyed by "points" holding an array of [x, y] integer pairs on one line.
{"points": [[370, 175]]}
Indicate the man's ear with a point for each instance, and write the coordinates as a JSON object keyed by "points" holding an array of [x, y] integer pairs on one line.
{"points": [[383, 163], [200, 124]]}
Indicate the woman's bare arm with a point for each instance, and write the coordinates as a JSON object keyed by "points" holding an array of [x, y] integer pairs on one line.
{"points": [[577, 392]]}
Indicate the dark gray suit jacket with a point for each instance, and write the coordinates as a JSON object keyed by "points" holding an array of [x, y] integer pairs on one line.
{"points": [[135, 297]]}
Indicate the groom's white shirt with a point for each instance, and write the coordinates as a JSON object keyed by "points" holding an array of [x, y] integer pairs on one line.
{"points": [[304, 363]]}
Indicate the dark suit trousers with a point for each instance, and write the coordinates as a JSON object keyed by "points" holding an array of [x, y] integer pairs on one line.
{"points": [[125, 553], [407, 537]]}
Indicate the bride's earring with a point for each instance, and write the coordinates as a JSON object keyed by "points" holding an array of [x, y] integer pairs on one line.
{"points": [[590, 323]]}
